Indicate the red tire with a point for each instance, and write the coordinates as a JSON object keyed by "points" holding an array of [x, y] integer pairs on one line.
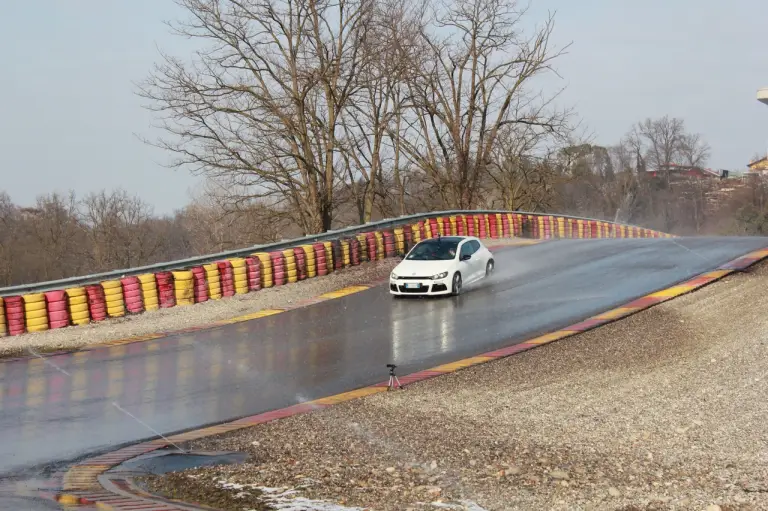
{"points": [[96, 302], [165, 293], [14, 314]]}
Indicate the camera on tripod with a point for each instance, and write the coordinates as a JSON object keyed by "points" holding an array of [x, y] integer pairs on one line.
{"points": [[394, 383]]}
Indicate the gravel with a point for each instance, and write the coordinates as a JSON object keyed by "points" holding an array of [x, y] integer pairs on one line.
{"points": [[176, 318], [663, 410]]}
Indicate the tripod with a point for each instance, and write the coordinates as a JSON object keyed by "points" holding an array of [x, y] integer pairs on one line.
{"points": [[394, 382]]}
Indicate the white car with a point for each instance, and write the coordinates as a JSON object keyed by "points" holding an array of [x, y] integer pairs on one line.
{"points": [[441, 266]]}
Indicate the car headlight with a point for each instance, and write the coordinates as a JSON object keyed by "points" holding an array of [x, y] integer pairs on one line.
{"points": [[393, 276], [440, 276]]}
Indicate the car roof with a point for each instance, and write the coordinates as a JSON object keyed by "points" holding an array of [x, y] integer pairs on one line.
{"points": [[456, 239]]}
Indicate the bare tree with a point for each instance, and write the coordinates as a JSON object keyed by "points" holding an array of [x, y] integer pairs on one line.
{"points": [[663, 140], [118, 230], [368, 122], [9, 236], [260, 105], [54, 226], [473, 81], [694, 150]]}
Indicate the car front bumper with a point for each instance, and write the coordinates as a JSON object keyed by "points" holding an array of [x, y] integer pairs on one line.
{"points": [[426, 287]]}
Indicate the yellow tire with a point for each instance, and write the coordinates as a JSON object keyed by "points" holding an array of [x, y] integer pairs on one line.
{"points": [[35, 315], [241, 284], [80, 320], [183, 287], [111, 284], [213, 279], [73, 292], [34, 302], [37, 325]]}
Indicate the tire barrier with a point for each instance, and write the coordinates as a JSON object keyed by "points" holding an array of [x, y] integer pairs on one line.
{"points": [[482, 226], [346, 253], [379, 237], [278, 268], [3, 328], [214, 280], [291, 270], [200, 284], [399, 235], [113, 296], [183, 287], [362, 240], [149, 294], [301, 262], [239, 275], [370, 246], [14, 314], [433, 228], [35, 312], [328, 255], [253, 266], [338, 258], [493, 230], [309, 254], [267, 273], [97, 305], [227, 277], [165, 292], [55, 309], [419, 232], [354, 251], [134, 303], [320, 261], [388, 238]]}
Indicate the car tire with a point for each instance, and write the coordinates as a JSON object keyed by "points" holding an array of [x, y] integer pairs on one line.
{"points": [[489, 268], [456, 284]]}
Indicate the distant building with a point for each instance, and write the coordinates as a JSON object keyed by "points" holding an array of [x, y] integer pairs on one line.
{"points": [[686, 171], [758, 167]]}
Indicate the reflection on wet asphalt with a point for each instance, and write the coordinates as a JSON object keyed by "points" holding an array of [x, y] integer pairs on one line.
{"points": [[209, 376]]}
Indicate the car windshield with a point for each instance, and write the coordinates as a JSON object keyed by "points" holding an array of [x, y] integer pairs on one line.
{"points": [[434, 250]]}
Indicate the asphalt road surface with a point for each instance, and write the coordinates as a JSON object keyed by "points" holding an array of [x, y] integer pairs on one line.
{"points": [[98, 399]]}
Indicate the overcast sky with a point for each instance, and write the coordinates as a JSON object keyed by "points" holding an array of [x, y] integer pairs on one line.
{"points": [[68, 115]]}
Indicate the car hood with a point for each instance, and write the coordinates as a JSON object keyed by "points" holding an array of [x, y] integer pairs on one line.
{"points": [[421, 268]]}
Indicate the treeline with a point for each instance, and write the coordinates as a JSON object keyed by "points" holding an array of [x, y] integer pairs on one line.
{"points": [[64, 236]]}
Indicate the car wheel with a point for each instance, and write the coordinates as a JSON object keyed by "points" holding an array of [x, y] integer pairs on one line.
{"points": [[489, 268], [456, 288]]}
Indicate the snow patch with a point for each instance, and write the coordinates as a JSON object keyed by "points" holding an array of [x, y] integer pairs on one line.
{"points": [[285, 499]]}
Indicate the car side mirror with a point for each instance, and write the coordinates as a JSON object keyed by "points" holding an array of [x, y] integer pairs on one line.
{"points": [[466, 257]]}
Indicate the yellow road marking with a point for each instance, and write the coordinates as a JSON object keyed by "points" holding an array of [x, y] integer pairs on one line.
{"points": [[616, 313], [343, 292], [461, 364], [348, 396], [544, 339]]}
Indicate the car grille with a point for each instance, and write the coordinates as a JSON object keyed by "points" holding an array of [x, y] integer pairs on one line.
{"points": [[422, 289], [414, 278]]}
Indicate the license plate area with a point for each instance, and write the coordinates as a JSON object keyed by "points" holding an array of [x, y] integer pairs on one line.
{"points": [[412, 285]]}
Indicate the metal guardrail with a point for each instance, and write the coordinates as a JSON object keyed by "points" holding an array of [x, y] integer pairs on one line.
{"points": [[196, 261]]}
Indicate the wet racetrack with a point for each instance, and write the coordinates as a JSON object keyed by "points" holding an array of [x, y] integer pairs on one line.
{"points": [[178, 382]]}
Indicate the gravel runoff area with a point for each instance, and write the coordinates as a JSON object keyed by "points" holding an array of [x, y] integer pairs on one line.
{"points": [[665, 409], [175, 318]]}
